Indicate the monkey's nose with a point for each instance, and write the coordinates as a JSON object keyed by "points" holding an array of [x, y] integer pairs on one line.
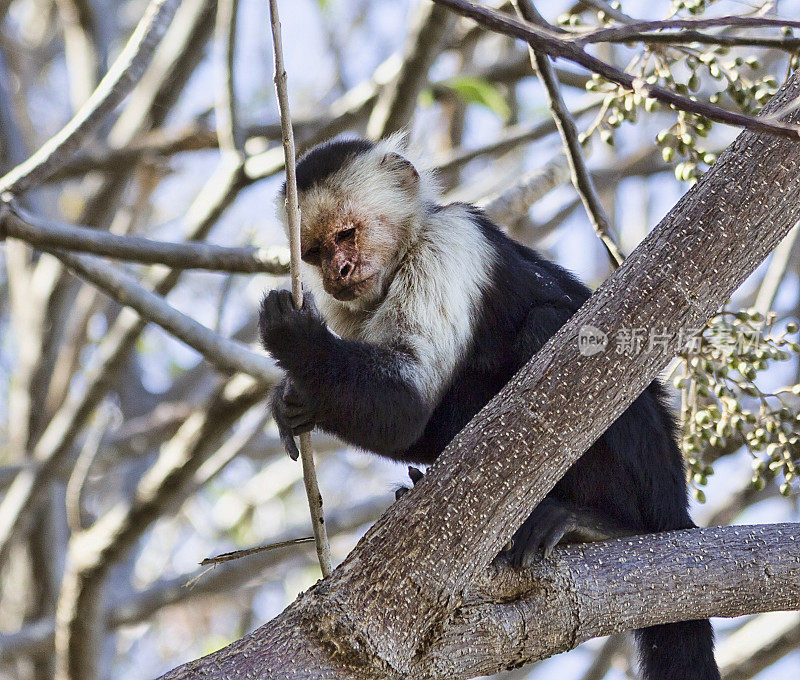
{"points": [[345, 270]]}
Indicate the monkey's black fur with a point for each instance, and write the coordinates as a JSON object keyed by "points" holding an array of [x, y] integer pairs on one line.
{"points": [[323, 160], [631, 478]]}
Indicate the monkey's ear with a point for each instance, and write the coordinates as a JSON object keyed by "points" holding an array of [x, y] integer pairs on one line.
{"points": [[402, 169]]}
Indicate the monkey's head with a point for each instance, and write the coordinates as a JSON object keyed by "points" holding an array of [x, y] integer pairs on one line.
{"points": [[360, 204]]}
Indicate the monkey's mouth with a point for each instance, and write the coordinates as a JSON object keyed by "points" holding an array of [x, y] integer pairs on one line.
{"points": [[354, 290]]}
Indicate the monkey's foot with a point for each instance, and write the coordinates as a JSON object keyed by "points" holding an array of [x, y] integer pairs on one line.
{"points": [[415, 474], [552, 522]]}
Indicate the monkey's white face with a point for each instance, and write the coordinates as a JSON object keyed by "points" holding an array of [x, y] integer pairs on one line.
{"points": [[356, 226], [343, 252]]}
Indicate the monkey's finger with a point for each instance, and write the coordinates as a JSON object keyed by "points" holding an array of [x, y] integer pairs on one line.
{"points": [[300, 419], [269, 306], [310, 304], [293, 410], [291, 397], [555, 535], [284, 430], [415, 474], [400, 491], [302, 429], [285, 433], [285, 303]]}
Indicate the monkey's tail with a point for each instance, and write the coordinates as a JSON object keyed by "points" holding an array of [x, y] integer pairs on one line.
{"points": [[678, 651]]}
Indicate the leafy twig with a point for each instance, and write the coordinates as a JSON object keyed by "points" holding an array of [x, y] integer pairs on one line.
{"points": [[547, 43]]}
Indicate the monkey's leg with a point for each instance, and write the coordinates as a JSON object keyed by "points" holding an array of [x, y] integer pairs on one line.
{"points": [[554, 521]]}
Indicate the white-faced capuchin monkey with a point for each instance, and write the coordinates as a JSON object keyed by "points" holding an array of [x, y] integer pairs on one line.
{"points": [[425, 311]]}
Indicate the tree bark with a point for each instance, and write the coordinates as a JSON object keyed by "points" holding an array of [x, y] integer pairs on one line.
{"points": [[387, 607]]}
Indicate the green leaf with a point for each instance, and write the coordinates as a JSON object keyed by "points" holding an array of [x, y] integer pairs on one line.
{"points": [[477, 91]]}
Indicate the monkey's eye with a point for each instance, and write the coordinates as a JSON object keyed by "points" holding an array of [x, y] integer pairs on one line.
{"points": [[345, 234], [311, 255]]}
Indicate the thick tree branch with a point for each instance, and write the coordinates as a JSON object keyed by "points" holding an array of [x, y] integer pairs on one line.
{"points": [[506, 618], [598, 589]]}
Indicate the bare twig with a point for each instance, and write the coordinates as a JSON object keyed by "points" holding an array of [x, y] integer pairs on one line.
{"points": [[610, 11], [147, 105], [64, 427], [80, 472], [236, 554], [123, 75], [48, 235], [684, 37], [84, 57], [758, 644], [558, 47], [602, 661], [581, 178], [162, 143], [515, 201], [94, 552], [631, 30], [227, 578], [511, 138], [293, 213]]}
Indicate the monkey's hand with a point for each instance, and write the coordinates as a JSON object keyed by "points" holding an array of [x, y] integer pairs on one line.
{"points": [[293, 412], [285, 331]]}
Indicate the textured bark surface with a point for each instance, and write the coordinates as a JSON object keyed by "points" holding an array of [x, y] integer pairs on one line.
{"points": [[382, 612], [509, 618]]}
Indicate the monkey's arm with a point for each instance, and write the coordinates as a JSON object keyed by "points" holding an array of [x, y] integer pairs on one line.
{"points": [[360, 392]]}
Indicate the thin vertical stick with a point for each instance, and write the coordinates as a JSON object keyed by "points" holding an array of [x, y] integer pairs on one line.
{"points": [[293, 215]]}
